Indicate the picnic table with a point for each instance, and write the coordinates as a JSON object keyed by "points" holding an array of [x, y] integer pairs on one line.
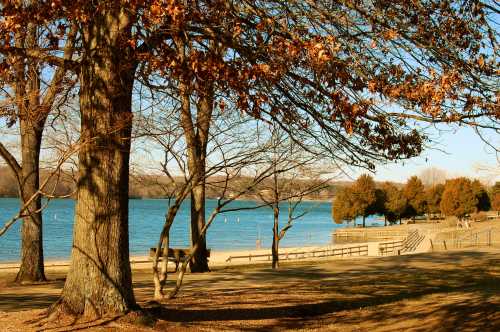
{"points": [[176, 255]]}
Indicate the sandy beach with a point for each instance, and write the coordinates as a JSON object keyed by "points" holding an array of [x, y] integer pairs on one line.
{"points": [[217, 258]]}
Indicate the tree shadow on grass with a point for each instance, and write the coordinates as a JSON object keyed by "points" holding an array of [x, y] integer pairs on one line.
{"points": [[445, 291], [459, 293]]}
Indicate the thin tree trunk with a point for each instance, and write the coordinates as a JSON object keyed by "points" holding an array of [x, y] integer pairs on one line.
{"points": [[160, 277], [31, 122], [275, 245], [364, 224], [99, 281], [197, 140], [31, 268], [199, 262]]}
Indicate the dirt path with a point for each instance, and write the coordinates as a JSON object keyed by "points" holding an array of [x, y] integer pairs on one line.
{"points": [[445, 291]]}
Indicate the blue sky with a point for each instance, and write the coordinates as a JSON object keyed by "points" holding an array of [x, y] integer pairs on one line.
{"points": [[457, 151]]}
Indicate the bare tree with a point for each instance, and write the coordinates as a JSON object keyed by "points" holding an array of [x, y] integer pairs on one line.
{"points": [[29, 95], [293, 178], [229, 155], [432, 176]]}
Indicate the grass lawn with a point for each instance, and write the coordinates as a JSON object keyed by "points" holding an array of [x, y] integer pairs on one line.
{"points": [[442, 291]]}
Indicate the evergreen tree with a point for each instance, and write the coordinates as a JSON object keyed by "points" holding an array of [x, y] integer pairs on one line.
{"points": [[433, 197], [342, 207], [459, 198], [364, 196], [414, 193], [396, 203], [483, 199], [495, 196]]}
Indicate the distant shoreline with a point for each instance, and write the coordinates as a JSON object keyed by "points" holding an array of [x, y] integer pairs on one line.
{"points": [[214, 198]]}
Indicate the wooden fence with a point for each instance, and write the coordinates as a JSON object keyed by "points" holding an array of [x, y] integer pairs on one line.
{"points": [[483, 238], [366, 235], [390, 248], [409, 244], [361, 250]]}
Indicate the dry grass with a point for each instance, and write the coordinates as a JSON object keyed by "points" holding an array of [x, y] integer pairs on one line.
{"points": [[445, 291]]}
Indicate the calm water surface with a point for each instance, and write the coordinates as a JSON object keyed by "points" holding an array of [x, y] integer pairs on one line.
{"points": [[235, 230]]}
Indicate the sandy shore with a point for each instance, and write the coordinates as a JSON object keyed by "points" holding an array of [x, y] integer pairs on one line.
{"points": [[217, 258]]}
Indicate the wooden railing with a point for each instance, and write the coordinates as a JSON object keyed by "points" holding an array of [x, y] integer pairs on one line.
{"points": [[412, 241], [341, 235], [409, 244], [477, 239], [361, 250], [388, 248], [481, 238]]}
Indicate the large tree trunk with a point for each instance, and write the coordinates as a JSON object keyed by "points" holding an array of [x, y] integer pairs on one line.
{"points": [[31, 268], [99, 281]]}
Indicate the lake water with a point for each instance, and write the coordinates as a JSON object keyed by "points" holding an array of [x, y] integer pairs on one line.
{"points": [[235, 230]]}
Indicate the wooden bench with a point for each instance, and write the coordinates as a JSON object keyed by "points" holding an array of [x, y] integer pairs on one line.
{"points": [[176, 255]]}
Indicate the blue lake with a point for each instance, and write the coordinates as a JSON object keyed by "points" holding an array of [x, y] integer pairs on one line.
{"points": [[234, 230]]}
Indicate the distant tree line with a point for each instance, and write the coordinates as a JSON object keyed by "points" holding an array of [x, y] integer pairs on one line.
{"points": [[156, 186], [456, 197], [61, 185]]}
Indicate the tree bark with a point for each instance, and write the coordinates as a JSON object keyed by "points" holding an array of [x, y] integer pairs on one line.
{"points": [[197, 140], [32, 118], [99, 281], [31, 268], [199, 262]]}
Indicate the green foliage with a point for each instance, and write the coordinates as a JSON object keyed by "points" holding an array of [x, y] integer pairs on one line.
{"points": [[459, 198], [433, 197], [414, 193]]}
